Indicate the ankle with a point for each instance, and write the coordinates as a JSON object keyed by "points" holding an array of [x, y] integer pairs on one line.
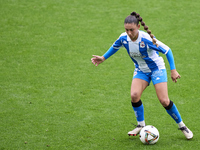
{"points": [[141, 123], [181, 124]]}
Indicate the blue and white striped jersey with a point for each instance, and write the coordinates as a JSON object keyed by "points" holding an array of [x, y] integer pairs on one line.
{"points": [[143, 53]]}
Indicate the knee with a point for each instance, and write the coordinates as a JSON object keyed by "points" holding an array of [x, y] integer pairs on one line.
{"points": [[135, 97], [164, 101]]}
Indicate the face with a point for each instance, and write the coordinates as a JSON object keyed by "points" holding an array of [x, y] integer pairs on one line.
{"points": [[132, 30]]}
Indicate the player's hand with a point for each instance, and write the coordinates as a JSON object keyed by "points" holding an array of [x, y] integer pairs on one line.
{"points": [[96, 60], [175, 75]]}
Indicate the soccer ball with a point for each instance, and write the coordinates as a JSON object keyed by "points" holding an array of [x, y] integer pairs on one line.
{"points": [[149, 135]]}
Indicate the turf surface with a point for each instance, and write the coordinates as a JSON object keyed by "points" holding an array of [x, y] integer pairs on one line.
{"points": [[52, 97]]}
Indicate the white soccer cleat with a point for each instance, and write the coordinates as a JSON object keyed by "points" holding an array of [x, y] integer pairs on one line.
{"points": [[188, 134], [136, 131]]}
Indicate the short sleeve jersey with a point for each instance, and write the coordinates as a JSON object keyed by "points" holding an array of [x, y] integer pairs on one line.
{"points": [[143, 52]]}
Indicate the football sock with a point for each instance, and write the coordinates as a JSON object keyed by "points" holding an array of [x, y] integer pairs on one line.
{"points": [[173, 112], [139, 112], [141, 123], [181, 124]]}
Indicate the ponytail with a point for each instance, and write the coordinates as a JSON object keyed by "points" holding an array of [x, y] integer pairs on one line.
{"points": [[139, 18]]}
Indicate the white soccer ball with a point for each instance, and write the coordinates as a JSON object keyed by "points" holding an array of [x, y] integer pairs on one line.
{"points": [[149, 135]]}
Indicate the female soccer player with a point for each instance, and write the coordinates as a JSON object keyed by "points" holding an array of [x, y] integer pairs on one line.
{"points": [[143, 48]]}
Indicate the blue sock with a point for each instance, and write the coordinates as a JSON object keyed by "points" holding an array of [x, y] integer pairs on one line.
{"points": [[139, 110], [173, 112]]}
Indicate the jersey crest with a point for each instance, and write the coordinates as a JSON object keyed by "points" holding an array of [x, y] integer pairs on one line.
{"points": [[142, 45]]}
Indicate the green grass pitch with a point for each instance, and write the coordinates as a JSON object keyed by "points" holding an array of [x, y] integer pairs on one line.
{"points": [[53, 97]]}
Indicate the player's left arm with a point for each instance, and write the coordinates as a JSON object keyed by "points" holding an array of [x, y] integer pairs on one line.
{"points": [[161, 47], [174, 74]]}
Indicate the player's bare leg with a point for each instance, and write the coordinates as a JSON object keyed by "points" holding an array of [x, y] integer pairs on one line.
{"points": [[162, 93], [137, 87]]}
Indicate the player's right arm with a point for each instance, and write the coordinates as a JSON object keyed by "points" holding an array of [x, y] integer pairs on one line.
{"points": [[96, 60]]}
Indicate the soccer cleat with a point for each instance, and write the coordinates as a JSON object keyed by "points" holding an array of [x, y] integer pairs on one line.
{"points": [[136, 131], [188, 134]]}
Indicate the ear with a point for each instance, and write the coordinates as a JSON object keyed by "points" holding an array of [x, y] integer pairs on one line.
{"points": [[138, 26]]}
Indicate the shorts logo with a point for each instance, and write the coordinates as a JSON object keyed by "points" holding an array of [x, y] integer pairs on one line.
{"points": [[142, 45], [135, 72]]}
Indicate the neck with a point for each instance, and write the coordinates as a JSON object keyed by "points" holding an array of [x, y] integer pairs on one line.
{"points": [[135, 38]]}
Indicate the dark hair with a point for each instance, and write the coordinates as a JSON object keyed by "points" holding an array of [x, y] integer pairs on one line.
{"points": [[135, 18], [131, 19]]}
